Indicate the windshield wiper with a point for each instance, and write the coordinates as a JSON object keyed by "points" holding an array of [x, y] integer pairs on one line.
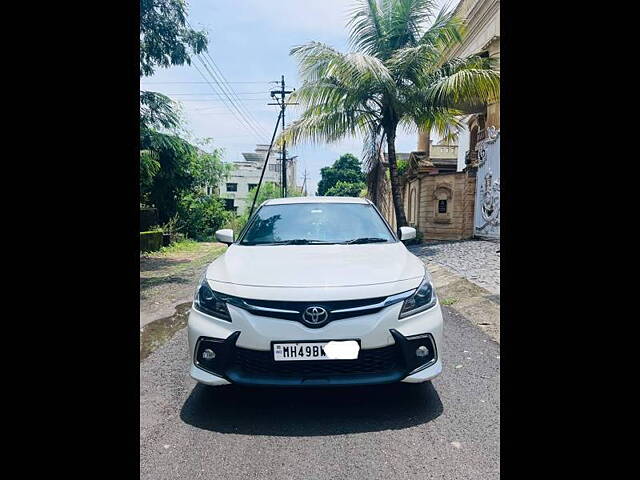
{"points": [[366, 240], [294, 241], [302, 241]]}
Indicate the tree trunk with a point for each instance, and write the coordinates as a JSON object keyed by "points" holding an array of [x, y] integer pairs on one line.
{"points": [[401, 220]]}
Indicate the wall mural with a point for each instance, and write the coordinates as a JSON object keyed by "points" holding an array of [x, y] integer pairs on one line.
{"points": [[487, 206]]}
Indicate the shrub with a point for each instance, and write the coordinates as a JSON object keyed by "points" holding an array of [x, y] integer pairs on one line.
{"points": [[201, 215], [346, 189], [403, 166], [151, 241], [236, 223]]}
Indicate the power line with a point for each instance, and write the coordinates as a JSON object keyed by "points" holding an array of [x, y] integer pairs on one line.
{"points": [[202, 83], [264, 167], [226, 89], [233, 93], [246, 120], [233, 103], [239, 93], [223, 100]]}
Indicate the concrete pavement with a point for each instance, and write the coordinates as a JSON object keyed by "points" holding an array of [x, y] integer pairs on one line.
{"points": [[449, 429]]}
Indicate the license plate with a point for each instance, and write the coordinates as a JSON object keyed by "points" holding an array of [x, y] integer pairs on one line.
{"points": [[283, 352]]}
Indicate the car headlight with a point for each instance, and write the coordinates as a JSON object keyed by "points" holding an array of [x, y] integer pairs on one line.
{"points": [[207, 301], [423, 299]]}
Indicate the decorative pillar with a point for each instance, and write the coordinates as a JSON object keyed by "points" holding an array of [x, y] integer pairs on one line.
{"points": [[424, 141]]}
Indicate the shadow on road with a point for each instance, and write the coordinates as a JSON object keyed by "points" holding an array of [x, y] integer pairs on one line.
{"points": [[152, 264], [310, 412], [146, 283]]}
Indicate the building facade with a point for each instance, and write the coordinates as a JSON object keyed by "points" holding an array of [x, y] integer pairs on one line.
{"points": [[246, 174], [438, 201], [453, 192], [479, 141]]}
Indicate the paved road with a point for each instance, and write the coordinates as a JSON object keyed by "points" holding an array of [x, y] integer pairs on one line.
{"points": [[447, 430]]}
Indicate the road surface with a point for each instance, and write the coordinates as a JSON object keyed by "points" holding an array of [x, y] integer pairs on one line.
{"points": [[449, 429]]}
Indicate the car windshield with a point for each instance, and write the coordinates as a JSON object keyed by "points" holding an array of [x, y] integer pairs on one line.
{"points": [[316, 223]]}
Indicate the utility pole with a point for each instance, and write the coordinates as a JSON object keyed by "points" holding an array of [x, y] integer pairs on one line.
{"points": [[304, 183], [283, 104]]}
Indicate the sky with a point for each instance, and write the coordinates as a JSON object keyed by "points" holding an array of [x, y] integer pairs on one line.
{"points": [[249, 42]]}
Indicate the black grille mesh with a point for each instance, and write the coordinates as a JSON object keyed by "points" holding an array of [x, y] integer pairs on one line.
{"points": [[261, 363]]}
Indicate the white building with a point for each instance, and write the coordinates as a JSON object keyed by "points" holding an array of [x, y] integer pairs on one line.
{"points": [[246, 175]]}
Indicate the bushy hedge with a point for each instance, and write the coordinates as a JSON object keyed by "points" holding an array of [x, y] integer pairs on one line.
{"points": [[201, 215], [151, 241]]}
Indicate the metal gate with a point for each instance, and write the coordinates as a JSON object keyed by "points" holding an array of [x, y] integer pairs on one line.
{"points": [[487, 205]]}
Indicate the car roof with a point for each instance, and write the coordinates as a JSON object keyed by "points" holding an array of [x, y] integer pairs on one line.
{"points": [[283, 201]]}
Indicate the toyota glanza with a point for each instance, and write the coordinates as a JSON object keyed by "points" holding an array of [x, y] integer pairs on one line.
{"points": [[315, 291]]}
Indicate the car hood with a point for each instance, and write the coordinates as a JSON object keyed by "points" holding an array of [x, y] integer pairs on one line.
{"points": [[316, 265]]}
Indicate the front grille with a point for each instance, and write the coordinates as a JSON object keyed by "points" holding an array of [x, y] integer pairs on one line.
{"points": [[254, 363], [330, 305], [255, 307]]}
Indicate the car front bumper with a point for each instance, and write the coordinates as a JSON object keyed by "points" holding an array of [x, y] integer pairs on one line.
{"points": [[388, 344]]}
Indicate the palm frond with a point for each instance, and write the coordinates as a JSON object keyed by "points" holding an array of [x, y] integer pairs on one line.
{"points": [[406, 20], [446, 30], [322, 123], [410, 63], [317, 61], [366, 33], [445, 122], [467, 89]]}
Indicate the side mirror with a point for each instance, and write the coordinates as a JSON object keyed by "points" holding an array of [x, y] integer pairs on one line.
{"points": [[225, 236], [407, 233]]}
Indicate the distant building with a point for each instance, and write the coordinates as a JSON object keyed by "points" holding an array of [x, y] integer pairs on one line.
{"points": [[246, 175]]}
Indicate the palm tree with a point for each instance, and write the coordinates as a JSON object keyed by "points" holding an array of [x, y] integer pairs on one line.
{"points": [[395, 75]]}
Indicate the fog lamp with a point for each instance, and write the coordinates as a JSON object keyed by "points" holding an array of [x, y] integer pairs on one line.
{"points": [[422, 351], [208, 354]]}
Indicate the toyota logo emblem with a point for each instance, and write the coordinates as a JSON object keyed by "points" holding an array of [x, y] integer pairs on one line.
{"points": [[315, 315]]}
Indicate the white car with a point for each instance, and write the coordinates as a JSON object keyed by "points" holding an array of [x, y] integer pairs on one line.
{"points": [[315, 291]]}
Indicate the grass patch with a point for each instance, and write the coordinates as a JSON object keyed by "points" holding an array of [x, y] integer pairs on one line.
{"points": [[183, 246], [177, 260], [449, 301]]}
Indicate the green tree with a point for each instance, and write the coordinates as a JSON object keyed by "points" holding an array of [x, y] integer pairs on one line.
{"points": [[201, 215], [182, 168], [346, 189], [396, 75], [268, 190], [346, 169], [208, 169], [173, 171], [165, 41], [165, 38]]}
